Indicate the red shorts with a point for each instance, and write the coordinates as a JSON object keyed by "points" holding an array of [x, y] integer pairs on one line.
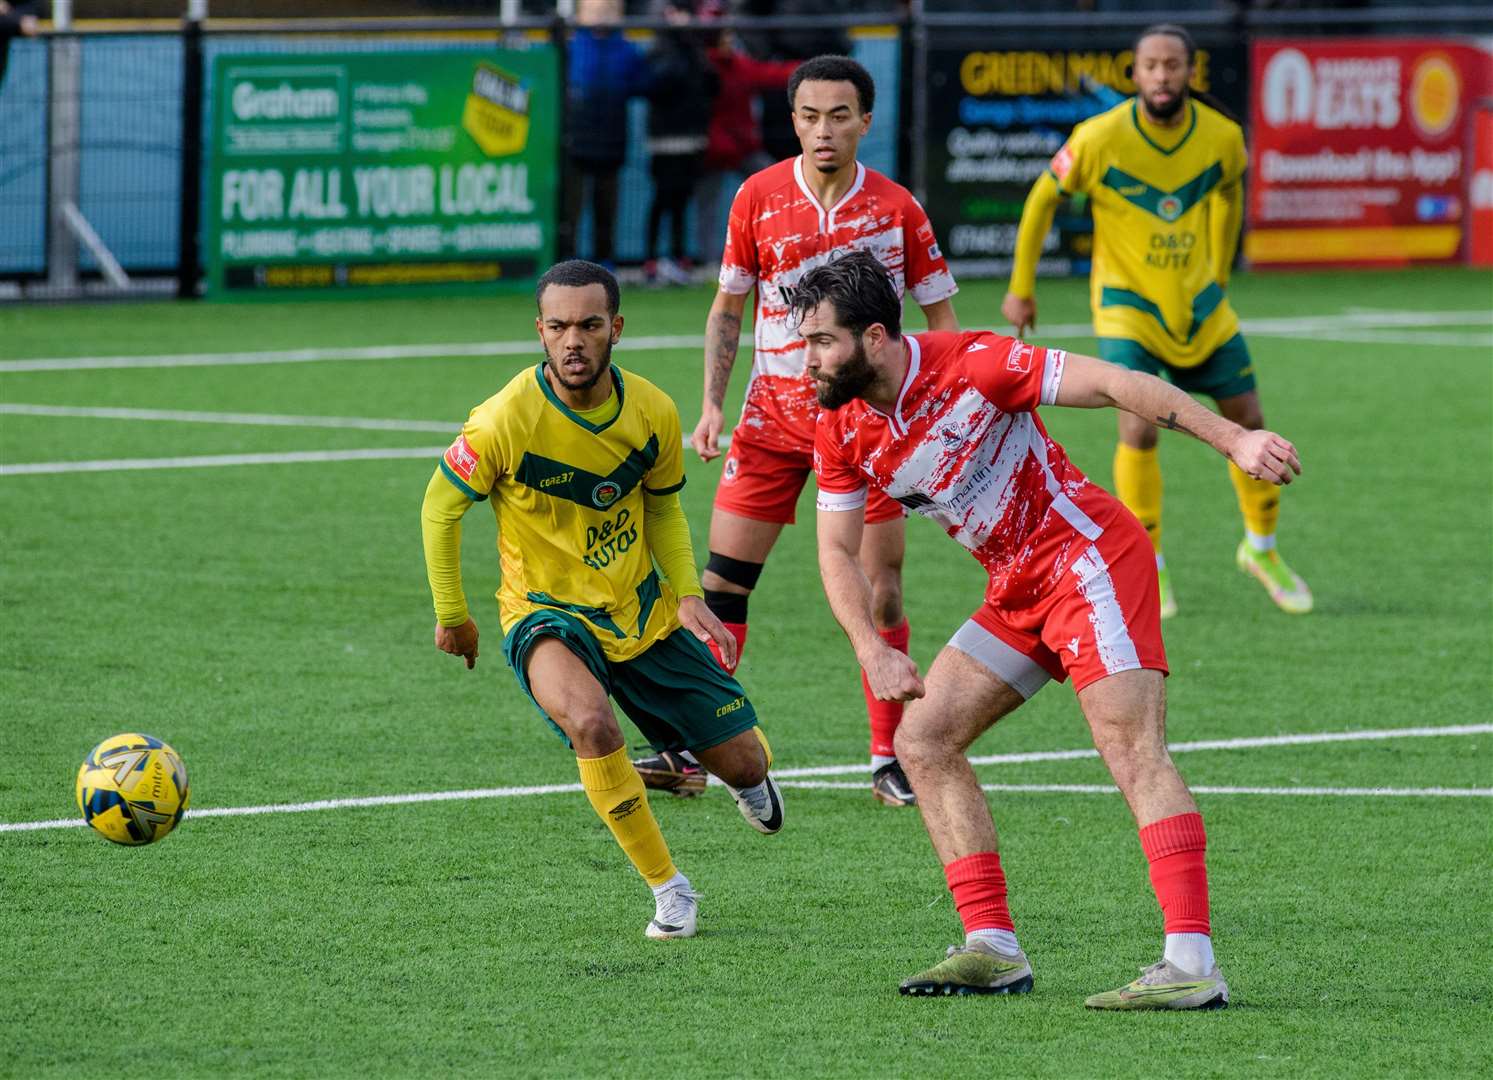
{"points": [[1103, 618], [763, 483]]}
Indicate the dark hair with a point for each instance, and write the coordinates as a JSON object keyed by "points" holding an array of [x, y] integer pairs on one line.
{"points": [[578, 273], [858, 287], [1170, 30], [835, 69]]}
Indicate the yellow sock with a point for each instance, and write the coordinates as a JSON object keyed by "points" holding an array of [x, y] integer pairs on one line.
{"points": [[766, 749], [617, 794], [1259, 501], [1138, 484]]}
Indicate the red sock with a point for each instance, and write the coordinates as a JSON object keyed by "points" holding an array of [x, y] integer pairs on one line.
{"points": [[885, 715], [1175, 848], [979, 887], [738, 630]]}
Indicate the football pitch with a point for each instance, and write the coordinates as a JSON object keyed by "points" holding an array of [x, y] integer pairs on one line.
{"points": [[210, 525]]}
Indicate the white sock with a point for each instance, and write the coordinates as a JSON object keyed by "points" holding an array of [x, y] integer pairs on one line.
{"points": [[1193, 953], [1258, 542], [880, 760], [1003, 940], [673, 883]]}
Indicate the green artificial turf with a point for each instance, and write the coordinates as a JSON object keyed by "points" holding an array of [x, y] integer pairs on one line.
{"points": [[272, 622]]}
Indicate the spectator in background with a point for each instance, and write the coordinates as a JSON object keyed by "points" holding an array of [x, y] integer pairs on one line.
{"points": [[16, 20], [734, 137], [684, 89], [604, 70], [791, 46]]}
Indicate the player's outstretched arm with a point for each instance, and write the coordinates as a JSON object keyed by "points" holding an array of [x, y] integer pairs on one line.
{"points": [[440, 532], [892, 674], [722, 338], [1089, 383], [1019, 307]]}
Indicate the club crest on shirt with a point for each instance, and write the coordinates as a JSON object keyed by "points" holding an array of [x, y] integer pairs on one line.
{"points": [[950, 437], [605, 494], [1170, 208], [462, 458], [1019, 359]]}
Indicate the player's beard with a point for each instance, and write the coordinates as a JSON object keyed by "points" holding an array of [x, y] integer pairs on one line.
{"points": [[580, 387], [1170, 109], [852, 380]]}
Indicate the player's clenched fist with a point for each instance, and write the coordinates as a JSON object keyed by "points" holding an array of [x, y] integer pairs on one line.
{"points": [[458, 641], [1264, 455], [706, 438], [892, 674]]}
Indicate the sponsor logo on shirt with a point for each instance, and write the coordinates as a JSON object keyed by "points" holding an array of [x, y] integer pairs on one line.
{"points": [[933, 252], [1019, 359], [925, 233], [462, 458]]}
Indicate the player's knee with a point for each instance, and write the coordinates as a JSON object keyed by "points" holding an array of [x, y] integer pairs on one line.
{"points": [[591, 727], [919, 744]]}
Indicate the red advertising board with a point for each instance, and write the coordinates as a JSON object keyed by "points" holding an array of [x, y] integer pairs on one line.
{"points": [[1360, 149], [1480, 189]]}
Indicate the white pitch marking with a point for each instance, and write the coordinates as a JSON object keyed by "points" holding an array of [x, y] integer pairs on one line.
{"points": [[91, 412], [1196, 789], [784, 775], [1252, 742], [1309, 326], [213, 461]]}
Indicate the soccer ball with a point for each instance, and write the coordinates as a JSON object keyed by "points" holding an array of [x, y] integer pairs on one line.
{"points": [[132, 789]]}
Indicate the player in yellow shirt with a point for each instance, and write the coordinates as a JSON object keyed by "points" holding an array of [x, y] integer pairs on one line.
{"points": [[1162, 173], [583, 463]]}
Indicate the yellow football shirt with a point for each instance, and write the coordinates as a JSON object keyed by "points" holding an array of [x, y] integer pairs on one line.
{"points": [[568, 497], [1152, 190]]}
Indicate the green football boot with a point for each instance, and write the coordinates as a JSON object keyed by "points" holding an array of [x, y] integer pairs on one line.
{"points": [[972, 968], [1283, 584], [1166, 986], [1168, 598]]}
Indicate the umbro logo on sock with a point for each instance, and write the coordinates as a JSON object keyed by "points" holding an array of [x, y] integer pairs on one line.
{"points": [[626, 807]]}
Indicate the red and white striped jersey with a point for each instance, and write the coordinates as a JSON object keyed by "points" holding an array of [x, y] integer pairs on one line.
{"points": [[778, 232], [964, 446]]}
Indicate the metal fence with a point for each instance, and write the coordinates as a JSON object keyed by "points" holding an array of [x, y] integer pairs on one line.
{"points": [[102, 131]]}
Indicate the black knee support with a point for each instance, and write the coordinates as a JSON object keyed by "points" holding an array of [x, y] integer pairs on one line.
{"points": [[737, 572]]}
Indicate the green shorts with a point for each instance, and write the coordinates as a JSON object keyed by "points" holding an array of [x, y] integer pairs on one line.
{"points": [[675, 692], [1225, 374]]}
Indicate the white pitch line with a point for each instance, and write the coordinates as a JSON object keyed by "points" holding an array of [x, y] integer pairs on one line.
{"points": [[1310, 326], [93, 412], [785, 778], [213, 461], [1251, 742], [1196, 789]]}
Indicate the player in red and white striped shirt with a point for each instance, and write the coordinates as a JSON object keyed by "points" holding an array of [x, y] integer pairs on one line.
{"points": [[930, 420], [786, 220]]}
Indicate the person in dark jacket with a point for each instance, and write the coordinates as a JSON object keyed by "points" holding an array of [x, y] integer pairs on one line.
{"points": [[793, 45], [680, 99], [604, 70], [16, 20]]}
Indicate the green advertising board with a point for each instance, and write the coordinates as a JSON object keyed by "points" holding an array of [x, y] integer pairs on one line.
{"points": [[348, 172]]}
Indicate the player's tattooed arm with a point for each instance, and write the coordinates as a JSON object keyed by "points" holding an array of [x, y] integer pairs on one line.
{"points": [[1171, 423], [722, 338]]}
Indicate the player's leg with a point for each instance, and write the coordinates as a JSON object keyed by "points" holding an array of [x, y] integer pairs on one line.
{"points": [[1106, 627], [974, 681], [1127, 716], [558, 668], [679, 697], [1232, 385], [1137, 466], [883, 546]]}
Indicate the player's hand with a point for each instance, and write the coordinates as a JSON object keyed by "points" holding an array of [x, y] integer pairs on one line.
{"points": [[892, 674], [1020, 312], [1266, 456], [706, 438], [699, 620], [458, 641]]}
